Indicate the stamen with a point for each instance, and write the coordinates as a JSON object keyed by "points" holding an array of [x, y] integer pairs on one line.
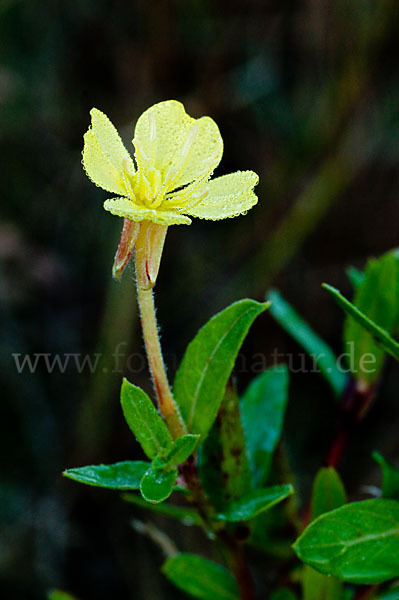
{"points": [[181, 196], [170, 177], [140, 154], [127, 165], [184, 204], [128, 185]]}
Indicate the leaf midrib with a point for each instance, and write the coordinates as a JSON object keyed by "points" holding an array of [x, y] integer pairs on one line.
{"points": [[208, 362], [360, 540]]}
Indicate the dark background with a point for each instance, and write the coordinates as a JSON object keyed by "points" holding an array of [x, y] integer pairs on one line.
{"points": [[306, 93]]}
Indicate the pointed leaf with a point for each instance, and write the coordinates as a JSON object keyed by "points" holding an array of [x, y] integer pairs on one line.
{"points": [[144, 421], [201, 578], [262, 412], [318, 350], [157, 484], [185, 514], [390, 477], [124, 475], [358, 542], [328, 492], [207, 364], [387, 342], [378, 298], [256, 502]]}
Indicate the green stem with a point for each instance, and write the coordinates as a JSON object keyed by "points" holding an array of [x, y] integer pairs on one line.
{"points": [[166, 403], [231, 548], [170, 412]]}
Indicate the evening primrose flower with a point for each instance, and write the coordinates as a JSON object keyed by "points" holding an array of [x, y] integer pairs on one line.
{"points": [[168, 181]]}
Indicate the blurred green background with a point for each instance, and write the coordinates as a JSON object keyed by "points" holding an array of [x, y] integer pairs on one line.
{"points": [[306, 93]]}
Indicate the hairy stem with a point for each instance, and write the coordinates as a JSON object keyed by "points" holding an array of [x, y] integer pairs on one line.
{"points": [[166, 403], [232, 549]]}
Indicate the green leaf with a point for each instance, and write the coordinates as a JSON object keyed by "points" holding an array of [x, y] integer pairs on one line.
{"points": [[124, 475], [209, 468], [201, 578], [157, 484], [355, 276], [207, 364], [378, 298], [318, 350], [185, 514], [390, 477], [320, 587], [182, 448], [144, 421], [255, 502], [262, 412], [222, 461], [358, 542], [387, 342], [234, 464], [328, 492]]}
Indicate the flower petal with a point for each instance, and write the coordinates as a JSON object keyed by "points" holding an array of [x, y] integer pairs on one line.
{"points": [[172, 140], [98, 166], [122, 207], [110, 142], [105, 158], [228, 196]]}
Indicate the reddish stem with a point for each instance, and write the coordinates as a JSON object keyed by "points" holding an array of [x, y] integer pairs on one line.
{"points": [[356, 402]]}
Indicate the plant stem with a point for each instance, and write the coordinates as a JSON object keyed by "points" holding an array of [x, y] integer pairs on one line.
{"points": [[238, 566], [166, 403], [230, 547], [167, 407], [356, 402]]}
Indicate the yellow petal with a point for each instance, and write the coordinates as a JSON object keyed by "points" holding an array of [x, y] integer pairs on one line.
{"points": [[122, 207], [99, 168], [109, 140], [228, 196], [104, 156], [179, 146]]}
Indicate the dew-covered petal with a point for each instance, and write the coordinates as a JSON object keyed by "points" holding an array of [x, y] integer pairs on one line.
{"points": [[182, 148], [228, 196], [110, 141], [122, 207], [99, 167]]}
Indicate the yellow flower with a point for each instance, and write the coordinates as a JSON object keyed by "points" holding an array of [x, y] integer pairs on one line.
{"points": [[169, 180]]}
